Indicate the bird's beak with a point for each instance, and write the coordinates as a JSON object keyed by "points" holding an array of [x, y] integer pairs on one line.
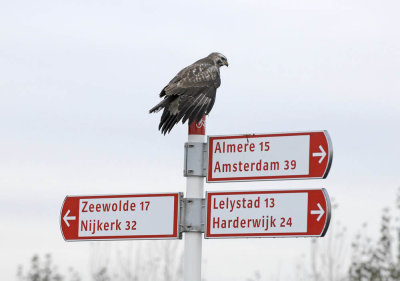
{"points": [[226, 63]]}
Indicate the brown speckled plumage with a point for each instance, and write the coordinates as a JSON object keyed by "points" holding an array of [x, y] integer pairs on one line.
{"points": [[191, 93]]}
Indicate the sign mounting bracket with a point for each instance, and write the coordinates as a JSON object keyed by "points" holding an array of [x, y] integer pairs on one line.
{"points": [[193, 216], [196, 156]]}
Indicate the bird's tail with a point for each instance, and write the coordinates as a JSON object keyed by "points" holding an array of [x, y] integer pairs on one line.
{"points": [[159, 106], [167, 121]]}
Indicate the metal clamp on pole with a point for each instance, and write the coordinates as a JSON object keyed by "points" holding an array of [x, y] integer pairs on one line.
{"points": [[193, 215], [195, 159]]}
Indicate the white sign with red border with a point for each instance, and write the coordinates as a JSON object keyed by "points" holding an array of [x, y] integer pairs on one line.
{"points": [[281, 213], [115, 217], [303, 155]]}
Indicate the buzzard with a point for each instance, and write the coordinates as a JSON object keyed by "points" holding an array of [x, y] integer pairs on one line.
{"points": [[191, 93]]}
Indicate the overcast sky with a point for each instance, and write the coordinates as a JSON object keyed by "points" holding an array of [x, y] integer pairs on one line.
{"points": [[77, 79]]}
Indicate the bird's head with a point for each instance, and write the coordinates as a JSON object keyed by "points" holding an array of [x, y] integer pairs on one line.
{"points": [[219, 59]]}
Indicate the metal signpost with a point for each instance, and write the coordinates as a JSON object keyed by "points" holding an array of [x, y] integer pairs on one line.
{"points": [[304, 155], [115, 217], [282, 213], [279, 213], [194, 190]]}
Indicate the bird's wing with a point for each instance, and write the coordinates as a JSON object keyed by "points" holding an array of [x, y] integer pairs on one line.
{"points": [[193, 105], [189, 106], [196, 90]]}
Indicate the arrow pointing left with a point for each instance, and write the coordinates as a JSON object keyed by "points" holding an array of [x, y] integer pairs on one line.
{"points": [[67, 218]]}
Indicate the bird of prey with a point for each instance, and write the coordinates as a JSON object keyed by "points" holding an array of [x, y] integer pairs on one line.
{"points": [[191, 93]]}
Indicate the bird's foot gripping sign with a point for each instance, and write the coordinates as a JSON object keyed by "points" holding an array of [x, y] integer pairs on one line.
{"points": [[144, 216], [251, 157], [284, 213]]}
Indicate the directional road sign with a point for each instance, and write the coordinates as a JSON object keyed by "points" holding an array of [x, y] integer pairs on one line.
{"points": [[284, 213], [114, 217], [305, 155]]}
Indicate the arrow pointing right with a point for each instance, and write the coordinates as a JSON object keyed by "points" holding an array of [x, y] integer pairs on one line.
{"points": [[321, 154], [319, 212], [66, 218]]}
